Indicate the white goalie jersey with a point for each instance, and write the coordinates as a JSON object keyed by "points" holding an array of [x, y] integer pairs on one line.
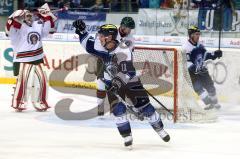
{"points": [[27, 40]]}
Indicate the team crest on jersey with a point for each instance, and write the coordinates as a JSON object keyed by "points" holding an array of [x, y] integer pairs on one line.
{"points": [[199, 62], [33, 38]]}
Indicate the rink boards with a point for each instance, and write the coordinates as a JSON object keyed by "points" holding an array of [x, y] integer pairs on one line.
{"points": [[67, 64]]}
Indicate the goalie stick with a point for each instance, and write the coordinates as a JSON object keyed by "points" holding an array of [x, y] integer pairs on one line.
{"points": [[60, 9]]}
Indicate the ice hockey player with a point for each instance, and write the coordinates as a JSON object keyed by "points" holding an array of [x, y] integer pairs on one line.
{"points": [[196, 56], [124, 35], [26, 35], [120, 75]]}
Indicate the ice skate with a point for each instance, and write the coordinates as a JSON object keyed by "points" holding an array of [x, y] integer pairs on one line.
{"points": [[20, 107], [217, 106], [209, 107], [128, 140], [40, 106], [164, 135]]}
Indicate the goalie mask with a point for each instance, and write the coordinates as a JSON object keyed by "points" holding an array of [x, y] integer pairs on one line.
{"points": [[107, 35], [28, 17]]}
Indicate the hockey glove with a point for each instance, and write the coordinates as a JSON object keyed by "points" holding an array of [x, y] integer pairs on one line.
{"points": [[218, 53], [117, 85], [79, 25], [45, 13]]}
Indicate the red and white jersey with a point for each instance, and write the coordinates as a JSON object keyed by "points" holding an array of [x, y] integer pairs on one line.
{"points": [[27, 40]]}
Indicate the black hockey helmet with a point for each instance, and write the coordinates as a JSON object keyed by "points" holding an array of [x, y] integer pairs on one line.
{"points": [[128, 22], [108, 29], [193, 29]]}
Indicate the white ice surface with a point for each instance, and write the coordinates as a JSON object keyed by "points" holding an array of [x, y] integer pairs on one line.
{"points": [[35, 135]]}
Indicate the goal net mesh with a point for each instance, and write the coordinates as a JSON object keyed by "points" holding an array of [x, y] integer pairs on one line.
{"points": [[164, 74]]}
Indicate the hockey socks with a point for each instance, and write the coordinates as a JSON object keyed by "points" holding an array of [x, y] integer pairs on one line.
{"points": [[123, 125], [154, 119]]}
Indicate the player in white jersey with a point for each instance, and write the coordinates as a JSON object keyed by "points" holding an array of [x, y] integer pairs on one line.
{"points": [[26, 36], [121, 80], [124, 35], [196, 56]]}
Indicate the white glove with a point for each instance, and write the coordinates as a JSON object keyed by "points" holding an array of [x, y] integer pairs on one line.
{"points": [[45, 11], [17, 14]]}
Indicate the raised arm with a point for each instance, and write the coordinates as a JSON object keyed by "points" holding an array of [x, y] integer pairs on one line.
{"points": [[14, 23], [48, 19], [88, 41]]}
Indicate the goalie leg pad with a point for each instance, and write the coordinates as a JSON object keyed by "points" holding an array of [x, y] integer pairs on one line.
{"points": [[20, 93], [35, 88], [42, 105]]}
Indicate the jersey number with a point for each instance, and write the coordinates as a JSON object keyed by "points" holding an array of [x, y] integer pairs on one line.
{"points": [[123, 67]]}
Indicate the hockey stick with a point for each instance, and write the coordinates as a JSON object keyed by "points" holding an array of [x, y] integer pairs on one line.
{"points": [[159, 102], [128, 106], [134, 112], [59, 10], [109, 73], [220, 28]]}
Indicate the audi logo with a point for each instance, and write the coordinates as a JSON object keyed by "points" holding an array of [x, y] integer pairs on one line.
{"points": [[218, 71]]}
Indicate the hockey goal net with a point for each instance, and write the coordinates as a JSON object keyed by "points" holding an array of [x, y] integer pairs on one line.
{"points": [[164, 74]]}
